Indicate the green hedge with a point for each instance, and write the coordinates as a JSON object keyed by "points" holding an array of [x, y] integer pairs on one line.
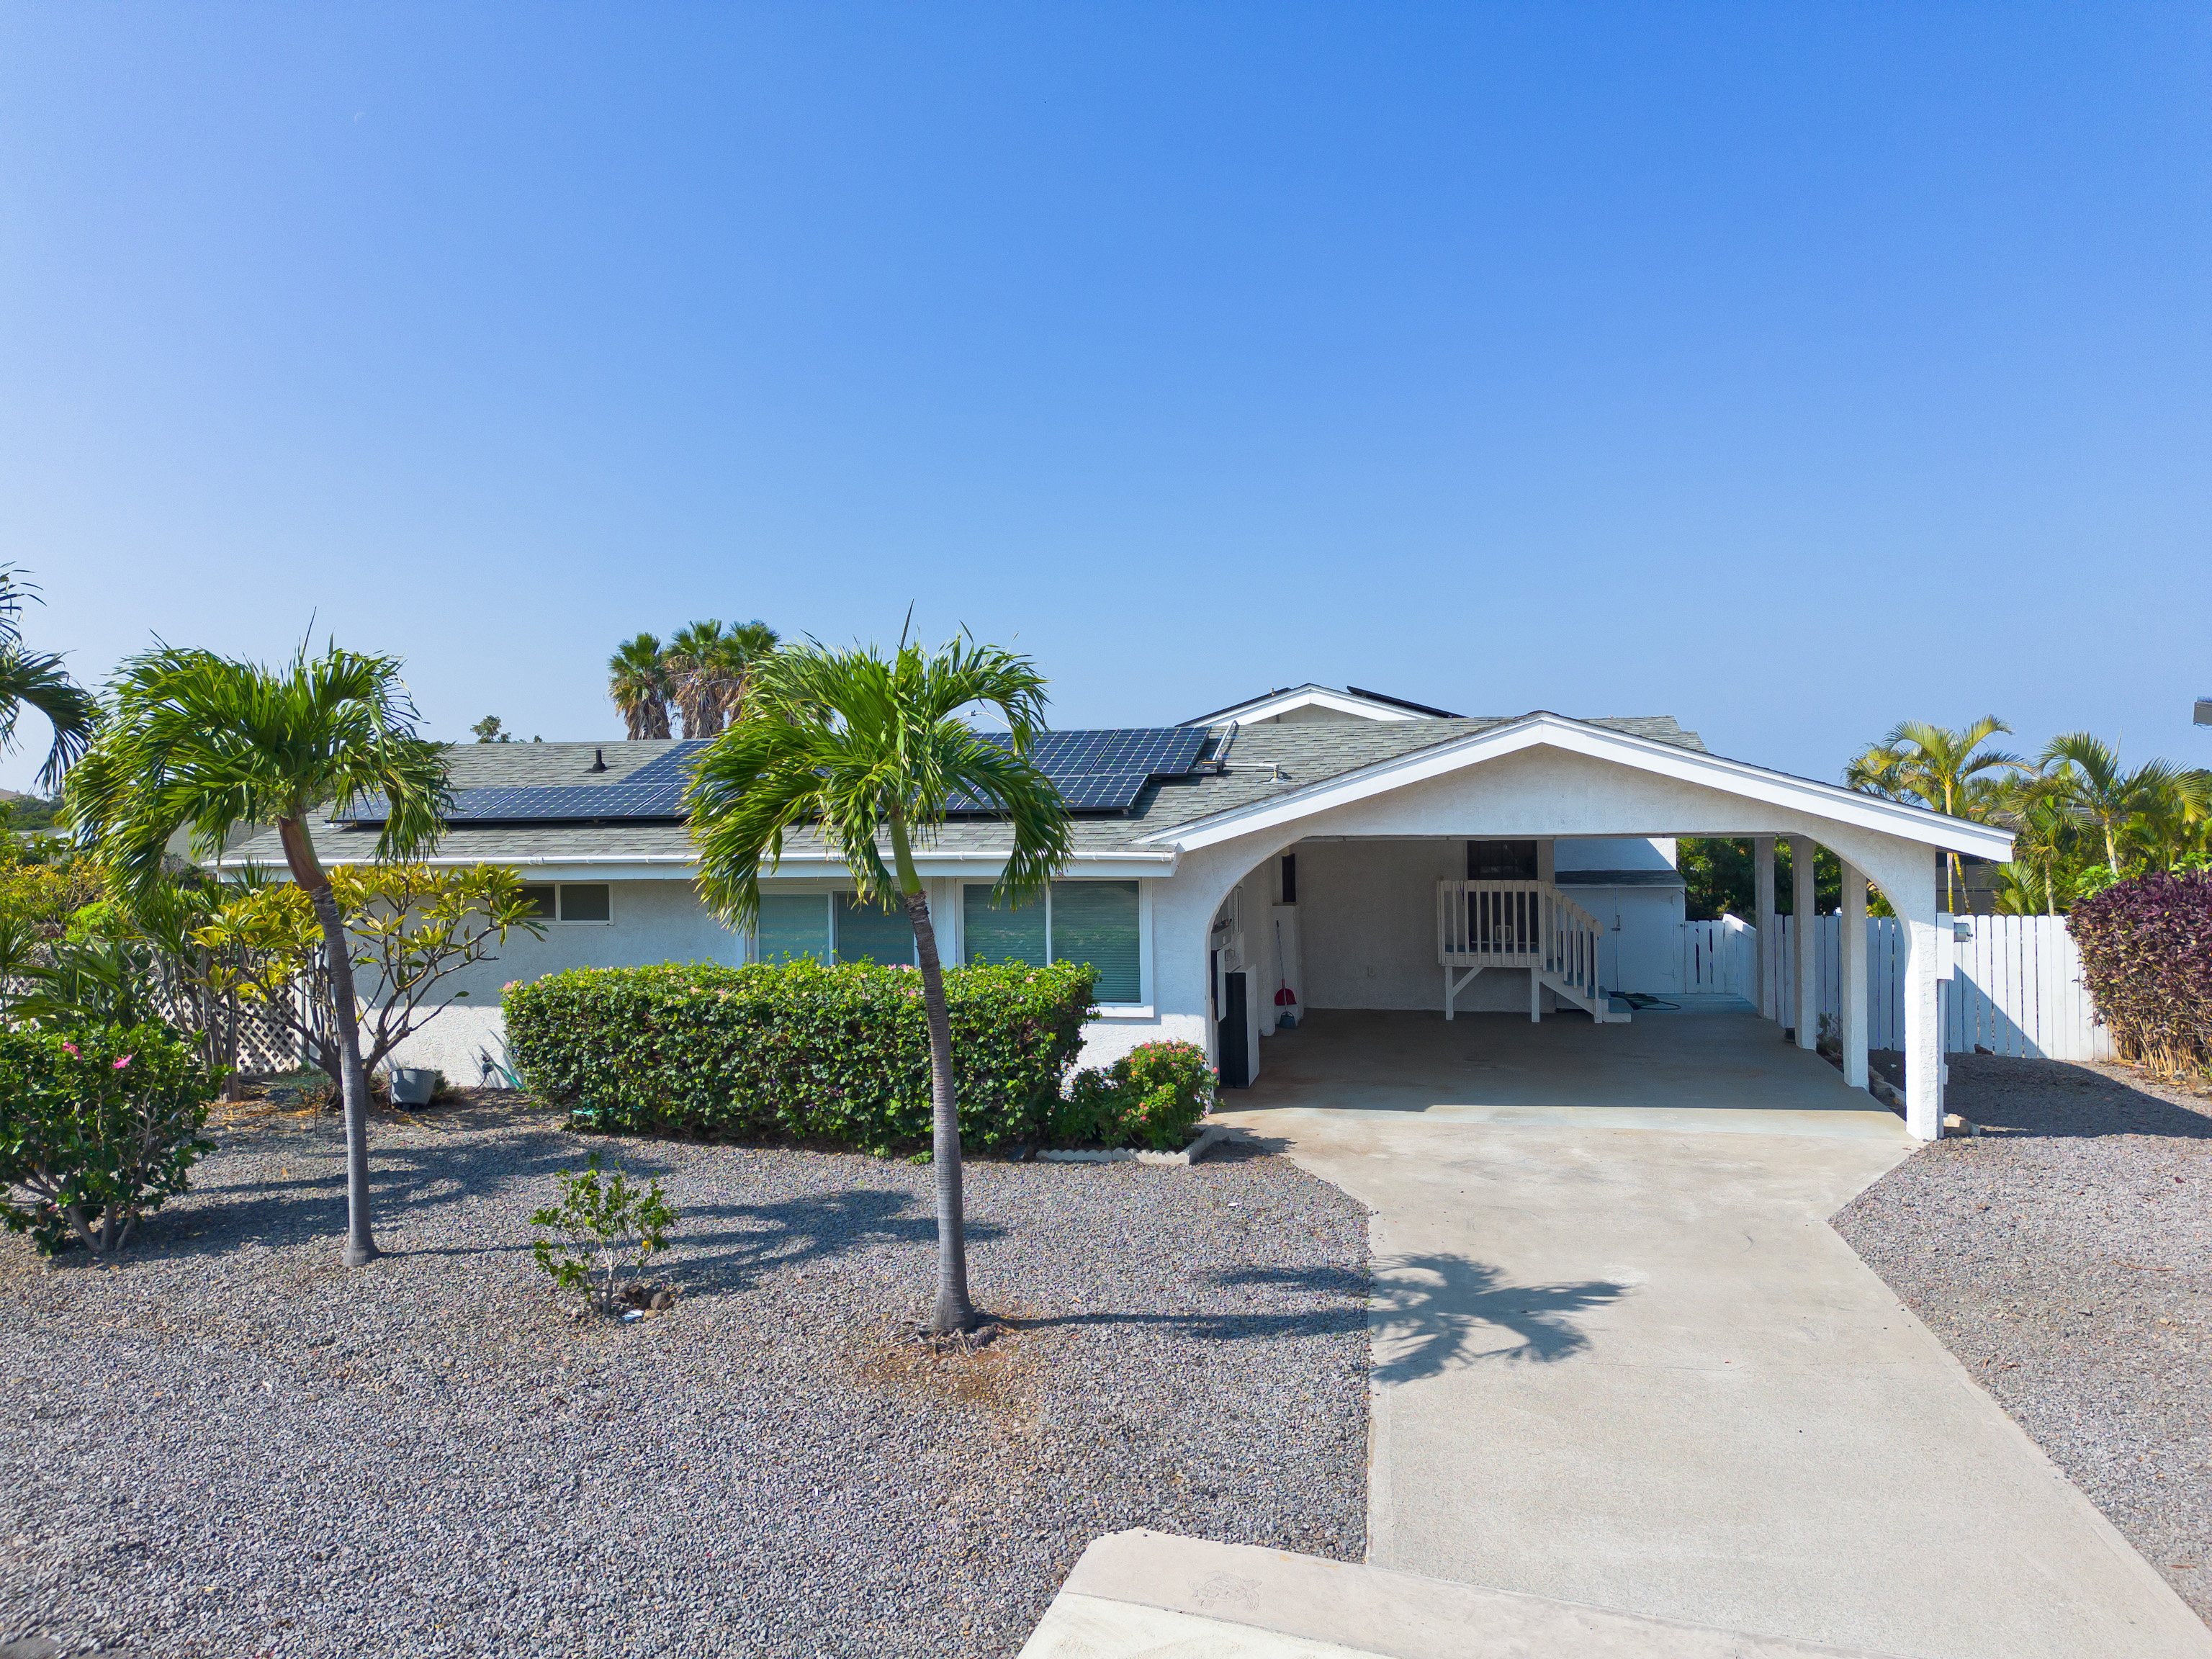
{"points": [[835, 1053]]}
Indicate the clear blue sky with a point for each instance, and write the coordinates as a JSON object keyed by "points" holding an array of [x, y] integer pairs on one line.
{"points": [[1792, 369]]}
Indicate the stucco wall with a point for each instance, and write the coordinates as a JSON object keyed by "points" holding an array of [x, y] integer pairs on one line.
{"points": [[663, 922]]}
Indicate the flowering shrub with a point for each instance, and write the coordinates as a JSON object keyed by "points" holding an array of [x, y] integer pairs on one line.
{"points": [[835, 1053], [97, 1126], [1154, 1095], [2147, 957]]}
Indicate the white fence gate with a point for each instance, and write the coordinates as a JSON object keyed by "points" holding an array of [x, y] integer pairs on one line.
{"points": [[2016, 985]]}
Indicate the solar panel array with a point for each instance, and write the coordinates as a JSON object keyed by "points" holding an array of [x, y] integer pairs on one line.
{"points": [[1102, 771]]}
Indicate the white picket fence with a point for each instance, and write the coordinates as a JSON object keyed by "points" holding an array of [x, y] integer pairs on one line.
{"points": [[2015, 987]]}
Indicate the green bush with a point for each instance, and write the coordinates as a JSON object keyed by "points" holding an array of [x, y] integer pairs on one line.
{"points": [[835, 1053], [1154, 1095], [98, 1125], [609, 1227]]}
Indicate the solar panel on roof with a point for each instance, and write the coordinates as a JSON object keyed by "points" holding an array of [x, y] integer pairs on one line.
{"points": [[1100, 771]]}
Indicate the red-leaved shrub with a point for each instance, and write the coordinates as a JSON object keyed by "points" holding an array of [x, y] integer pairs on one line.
{"points": [[2146, 959]]}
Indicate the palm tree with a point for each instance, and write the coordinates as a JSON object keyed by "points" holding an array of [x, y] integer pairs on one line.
{"points": [[735, 659], [637, 679], [2044, 829], [872, 750], [38, 680], [694, 667], [1941, 768], [709, 667], [192, 740], [2086, 771]]}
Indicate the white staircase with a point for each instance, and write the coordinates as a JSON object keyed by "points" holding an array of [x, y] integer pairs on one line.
{"points": [[1526, 925]]}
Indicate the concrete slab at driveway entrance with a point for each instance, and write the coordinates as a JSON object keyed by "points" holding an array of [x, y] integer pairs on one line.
{"points": [[1621, 1359]]}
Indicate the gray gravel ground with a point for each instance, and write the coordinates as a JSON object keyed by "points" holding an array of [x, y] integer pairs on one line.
{"points": [[2067, 1261], [233, 1446]]}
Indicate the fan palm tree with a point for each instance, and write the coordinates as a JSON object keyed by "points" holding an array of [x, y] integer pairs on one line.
{"points": [[871, 749], [2087, 772], [735, 659], [637, 680], [695, 653], [709, 666], [1940, 767], [193, 741], [36, 680]]}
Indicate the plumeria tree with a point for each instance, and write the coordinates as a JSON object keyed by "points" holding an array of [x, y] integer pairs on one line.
{"points": [[870, 753]]}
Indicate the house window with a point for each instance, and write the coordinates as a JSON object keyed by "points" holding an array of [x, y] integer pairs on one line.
{"points": [[790, 926], [830, 926], [569, 901], [1092, 921], [1289, 878], [1501, 860], [869, 933]]}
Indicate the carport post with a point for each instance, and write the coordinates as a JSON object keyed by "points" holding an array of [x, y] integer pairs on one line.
{"points": [[1805, 929], [1769, 956], [1911, 889], [1852, 972]]}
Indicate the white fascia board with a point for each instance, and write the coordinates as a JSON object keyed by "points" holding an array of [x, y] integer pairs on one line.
{"points": [[1142, 863], [1315, 697], [1137, 863], [1826, 801]]}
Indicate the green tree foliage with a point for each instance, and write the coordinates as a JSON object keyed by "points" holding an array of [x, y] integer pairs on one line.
{"points": [[36, 679], [870, 752], [710, 668], [98, 1126], [491, 729], [411, 925], [197, 742], [639, 681], [1721, 877], [1946, 769], [607, 1228]]}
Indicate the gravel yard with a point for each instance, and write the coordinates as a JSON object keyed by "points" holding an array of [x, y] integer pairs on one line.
{"points": [[233, 1446], [2067, 1261]]}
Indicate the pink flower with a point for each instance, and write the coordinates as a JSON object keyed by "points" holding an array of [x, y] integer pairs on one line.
{"points": [[71, 1047], [124, 1061]]}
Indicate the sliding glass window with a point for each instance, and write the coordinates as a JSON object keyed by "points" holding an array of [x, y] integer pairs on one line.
{"points": [[1092, 921]]}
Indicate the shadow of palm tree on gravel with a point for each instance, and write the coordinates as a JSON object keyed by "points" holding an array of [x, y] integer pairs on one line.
{"points": [[1423, 1329]]}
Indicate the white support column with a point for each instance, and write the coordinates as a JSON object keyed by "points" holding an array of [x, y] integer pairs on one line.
{"points": [[1851, 970], [1804, 927], [1762, 863], [1912, 893], [1535, 997]]}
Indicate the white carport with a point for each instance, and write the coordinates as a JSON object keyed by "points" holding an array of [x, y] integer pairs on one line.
{"points": [[1544, 776]]}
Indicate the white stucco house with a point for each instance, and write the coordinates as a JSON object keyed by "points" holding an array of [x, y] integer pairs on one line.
{"points": [[1352, 849]]}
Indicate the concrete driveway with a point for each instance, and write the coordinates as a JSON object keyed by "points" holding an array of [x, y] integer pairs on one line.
{"points": [[1621, 1359]]}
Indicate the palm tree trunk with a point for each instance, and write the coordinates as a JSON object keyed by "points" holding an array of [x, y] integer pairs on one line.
{"points": [[307, 871], [953, 1311]]}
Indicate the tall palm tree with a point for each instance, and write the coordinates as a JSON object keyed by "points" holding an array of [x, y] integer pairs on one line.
{"points": [[695, 653], [735, 659], [1940, 767], [709, 667], [2088, 773], [871, 749], [37, 680], [637, 680], [192, 740]]}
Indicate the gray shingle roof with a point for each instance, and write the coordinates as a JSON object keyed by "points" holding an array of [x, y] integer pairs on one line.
{"points": [[1263, 761]]}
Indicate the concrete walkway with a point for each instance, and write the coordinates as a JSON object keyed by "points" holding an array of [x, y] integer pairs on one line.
{"points": [[1153, 1596], [1622, 1361]]}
